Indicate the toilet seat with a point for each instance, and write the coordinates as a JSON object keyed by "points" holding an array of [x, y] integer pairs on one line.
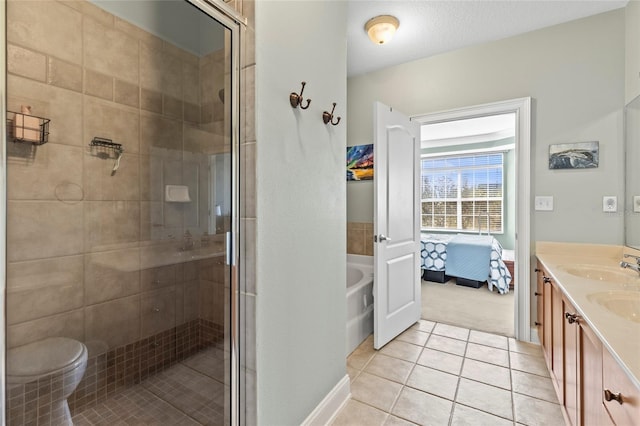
{"points": [[51, 355]]}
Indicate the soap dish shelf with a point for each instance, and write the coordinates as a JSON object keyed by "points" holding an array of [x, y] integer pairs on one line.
{"points": [[177, 194], [27, 128]]}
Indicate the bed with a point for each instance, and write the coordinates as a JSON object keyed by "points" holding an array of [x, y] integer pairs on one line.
{"points": [[469, 258]]}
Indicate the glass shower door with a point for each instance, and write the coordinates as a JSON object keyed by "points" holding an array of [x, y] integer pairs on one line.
{"points": [[120, 225]]}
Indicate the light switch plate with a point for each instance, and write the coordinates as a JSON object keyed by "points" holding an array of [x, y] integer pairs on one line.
{"points": [[609, 203], [636, 203], [543, 203]]}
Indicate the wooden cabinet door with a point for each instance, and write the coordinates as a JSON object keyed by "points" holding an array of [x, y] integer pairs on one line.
{"points": [[539, 293], [557, 342], [570, 357], [547, 320], [592, 410], [616, 381]]}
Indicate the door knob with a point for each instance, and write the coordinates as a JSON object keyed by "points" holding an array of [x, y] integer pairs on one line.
{"points": [[382, 238]]}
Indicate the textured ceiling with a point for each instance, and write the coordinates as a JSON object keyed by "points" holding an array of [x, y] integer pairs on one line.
{"points": [[429, 27]]}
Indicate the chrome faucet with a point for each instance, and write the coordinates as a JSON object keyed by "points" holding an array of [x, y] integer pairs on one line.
{"points": [[187, 241], [628, 265]]}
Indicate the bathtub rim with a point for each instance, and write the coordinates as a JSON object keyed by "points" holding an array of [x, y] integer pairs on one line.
{"points": [[360, 259], [364, 265]]}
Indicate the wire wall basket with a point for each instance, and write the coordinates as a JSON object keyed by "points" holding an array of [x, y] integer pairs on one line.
{"points": [[106, 144], [27, 128], [103, 148]]}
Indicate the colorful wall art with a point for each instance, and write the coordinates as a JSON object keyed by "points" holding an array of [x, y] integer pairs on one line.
{"points": [[360, 162]]}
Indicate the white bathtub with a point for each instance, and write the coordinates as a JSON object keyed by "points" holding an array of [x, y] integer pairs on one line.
{"points": [[359, 299]]}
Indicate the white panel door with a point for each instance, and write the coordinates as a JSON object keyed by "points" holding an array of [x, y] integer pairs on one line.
{"points": [[397, 300]]}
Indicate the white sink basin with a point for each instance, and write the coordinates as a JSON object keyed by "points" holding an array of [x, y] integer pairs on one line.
{"points": [[623, 303], [603, 273]]}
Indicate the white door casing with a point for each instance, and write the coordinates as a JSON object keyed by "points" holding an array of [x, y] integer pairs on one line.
{"points": [[523, 272], [397, 291]]}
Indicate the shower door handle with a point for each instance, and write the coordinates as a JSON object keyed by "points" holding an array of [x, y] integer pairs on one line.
{"points": [[229, 241]]}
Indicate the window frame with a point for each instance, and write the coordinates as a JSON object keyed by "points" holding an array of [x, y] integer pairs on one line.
{"points": [[459, 199]]}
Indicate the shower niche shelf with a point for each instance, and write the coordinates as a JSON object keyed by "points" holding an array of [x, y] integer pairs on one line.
{"points": [[27, 128]]}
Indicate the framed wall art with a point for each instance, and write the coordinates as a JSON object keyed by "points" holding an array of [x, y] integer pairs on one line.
{"points": [[360, 162], [580, 155]]}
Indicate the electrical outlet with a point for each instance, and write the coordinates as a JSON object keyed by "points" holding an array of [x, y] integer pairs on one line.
{"points": [[543, 203], [636, 203], [609, 203]]}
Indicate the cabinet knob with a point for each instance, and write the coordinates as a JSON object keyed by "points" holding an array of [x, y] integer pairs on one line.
{"points": [[571, 317], [537, 323], [536, 270], [610, 396], [537, 294], [546, 279]]}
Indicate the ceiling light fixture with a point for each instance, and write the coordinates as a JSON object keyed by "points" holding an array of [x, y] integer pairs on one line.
{"points": [[381, 28]]}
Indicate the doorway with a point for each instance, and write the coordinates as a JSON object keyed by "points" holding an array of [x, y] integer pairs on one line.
{"points": [[519, 109]]}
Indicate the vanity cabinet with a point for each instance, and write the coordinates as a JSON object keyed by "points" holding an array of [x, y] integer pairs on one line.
{"points": [[549, 321], [583, 371], [539, 293], [581, 367], [622, 397]]}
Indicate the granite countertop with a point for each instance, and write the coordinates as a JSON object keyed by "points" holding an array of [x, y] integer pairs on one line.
{"points": [[621, 336]]}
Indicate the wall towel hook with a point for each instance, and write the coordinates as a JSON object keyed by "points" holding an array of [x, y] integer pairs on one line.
{"points": [[296, 99], [328, 117]]}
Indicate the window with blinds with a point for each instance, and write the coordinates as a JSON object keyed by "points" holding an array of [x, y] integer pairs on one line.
{"points": [[463, 193]]}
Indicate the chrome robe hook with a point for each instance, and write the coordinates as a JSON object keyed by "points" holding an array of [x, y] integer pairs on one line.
{"points": [[328, 117], [296, 99]]}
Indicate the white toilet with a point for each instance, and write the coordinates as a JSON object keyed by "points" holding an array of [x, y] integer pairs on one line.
{"points": [[61, 359]]}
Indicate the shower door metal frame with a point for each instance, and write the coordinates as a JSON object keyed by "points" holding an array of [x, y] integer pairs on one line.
{"points": [[233, 21], [3, 208]]}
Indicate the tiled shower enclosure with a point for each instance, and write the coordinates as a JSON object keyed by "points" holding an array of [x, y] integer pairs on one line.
{"points": [[108, 255]]}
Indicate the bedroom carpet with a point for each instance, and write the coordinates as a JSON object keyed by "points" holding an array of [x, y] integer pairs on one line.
{"points": [[474, 308]]}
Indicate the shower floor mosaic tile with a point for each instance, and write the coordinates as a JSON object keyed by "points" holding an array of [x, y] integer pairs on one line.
{"points": [[438, 374], [189, 393]]}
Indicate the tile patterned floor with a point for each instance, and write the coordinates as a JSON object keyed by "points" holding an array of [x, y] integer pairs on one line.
{"points": [[190, 393], [438, 374]]}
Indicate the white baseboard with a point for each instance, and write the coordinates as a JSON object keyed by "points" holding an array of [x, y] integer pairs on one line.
{"points": [[534, 335], [331, 404]]}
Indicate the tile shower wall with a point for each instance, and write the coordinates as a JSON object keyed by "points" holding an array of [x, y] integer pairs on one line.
{"points": [[83, 244], [248, 213], [360, 238]]}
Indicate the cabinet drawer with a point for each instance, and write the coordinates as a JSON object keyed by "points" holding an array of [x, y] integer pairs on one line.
{"points": [[616, 381]]}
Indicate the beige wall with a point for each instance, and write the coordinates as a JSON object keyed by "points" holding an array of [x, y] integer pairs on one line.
{"points": [[574, 73], [84, 246]]}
